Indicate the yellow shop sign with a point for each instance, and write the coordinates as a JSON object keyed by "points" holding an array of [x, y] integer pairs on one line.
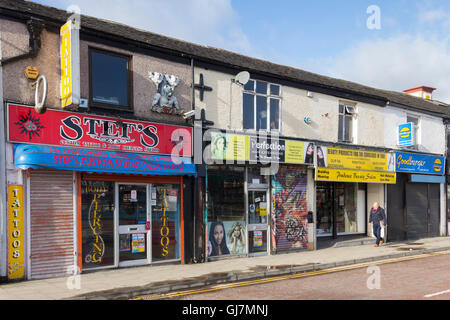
{"points": [[16, 246], [326, 174], [337, 158]]}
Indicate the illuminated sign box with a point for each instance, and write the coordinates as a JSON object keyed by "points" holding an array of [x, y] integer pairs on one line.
{"points": [[406, 135], [70, 63]]}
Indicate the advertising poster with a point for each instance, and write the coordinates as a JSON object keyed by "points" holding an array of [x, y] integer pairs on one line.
{"points": [[257, 239], [227, 237], [138, 242]]}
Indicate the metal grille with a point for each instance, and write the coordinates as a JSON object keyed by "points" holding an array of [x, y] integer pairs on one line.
{"points": [[52, 223]]}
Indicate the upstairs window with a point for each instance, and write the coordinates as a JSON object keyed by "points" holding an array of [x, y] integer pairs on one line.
{"points": [[346, 112], [110, 80], [415, 128], [261, 106]]}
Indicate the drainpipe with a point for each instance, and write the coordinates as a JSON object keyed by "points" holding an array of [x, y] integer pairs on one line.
{"points": [[34, 27], [3, 213]]}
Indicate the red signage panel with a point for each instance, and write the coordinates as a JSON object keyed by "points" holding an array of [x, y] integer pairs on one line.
{"points": [[61, 128]]}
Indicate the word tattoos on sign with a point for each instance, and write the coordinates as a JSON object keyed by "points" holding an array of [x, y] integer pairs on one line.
{"points": [[15, 234]]}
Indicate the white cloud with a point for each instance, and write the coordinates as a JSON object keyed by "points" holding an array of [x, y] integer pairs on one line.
{"points": [[206, 22], [397, 63]]}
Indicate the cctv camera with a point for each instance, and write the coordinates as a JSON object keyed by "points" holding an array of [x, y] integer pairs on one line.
{"points": [[189, 114]]}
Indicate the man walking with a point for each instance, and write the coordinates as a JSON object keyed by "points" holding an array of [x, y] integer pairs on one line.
{"points": [[377, 218]]}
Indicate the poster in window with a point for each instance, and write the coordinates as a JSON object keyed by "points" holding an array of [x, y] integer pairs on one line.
{"points": [[257, 239], [227, 237], [138, 242]]}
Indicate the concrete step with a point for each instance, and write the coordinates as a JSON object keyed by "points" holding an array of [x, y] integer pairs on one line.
{"points": [[355, 242]]}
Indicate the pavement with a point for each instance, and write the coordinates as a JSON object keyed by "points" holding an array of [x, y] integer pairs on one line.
{"points": [[128, 283]]}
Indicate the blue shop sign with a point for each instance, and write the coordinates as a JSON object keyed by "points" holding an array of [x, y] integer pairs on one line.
{"points": [[419, 163], [406, 135]]}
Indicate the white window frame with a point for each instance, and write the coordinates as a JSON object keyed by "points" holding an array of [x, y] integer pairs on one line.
{"points": [[348, 111], [268, 97], [417, 127]]}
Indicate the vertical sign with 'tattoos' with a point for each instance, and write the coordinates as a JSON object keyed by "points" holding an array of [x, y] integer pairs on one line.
{"points": [[16, 268]]}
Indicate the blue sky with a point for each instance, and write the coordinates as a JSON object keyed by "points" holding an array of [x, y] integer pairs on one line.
{"points": [[328, 37]]}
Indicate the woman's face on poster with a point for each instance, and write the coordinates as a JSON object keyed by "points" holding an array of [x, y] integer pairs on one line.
{"points": [[310, 149], [218, 234]]}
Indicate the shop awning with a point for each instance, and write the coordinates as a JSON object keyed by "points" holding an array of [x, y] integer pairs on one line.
{"points": [[38, 156]]}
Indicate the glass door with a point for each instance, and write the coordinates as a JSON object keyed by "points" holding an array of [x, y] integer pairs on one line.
{"points": [[257, 213], [133, 221]]}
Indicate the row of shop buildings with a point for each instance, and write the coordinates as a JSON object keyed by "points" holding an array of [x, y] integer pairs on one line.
{"points": [[122, 147]]}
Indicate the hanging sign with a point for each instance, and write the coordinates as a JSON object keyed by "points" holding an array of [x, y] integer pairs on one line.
{"points": [[405, 135], [67, 129], [15, 232], [70, 63], [326, 174]]}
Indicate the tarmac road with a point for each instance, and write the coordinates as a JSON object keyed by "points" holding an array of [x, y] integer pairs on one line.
{"points": [[426, 278]]}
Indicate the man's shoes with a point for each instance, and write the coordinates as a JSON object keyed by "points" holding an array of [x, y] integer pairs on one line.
{"points": [[381, 242]]}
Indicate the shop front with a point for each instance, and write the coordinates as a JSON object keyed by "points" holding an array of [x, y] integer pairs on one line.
{"points": [[417, 200], [100, 194], [348, 181], [257, 200]]}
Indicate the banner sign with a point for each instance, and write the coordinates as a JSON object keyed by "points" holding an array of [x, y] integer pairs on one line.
{"points": [[16, 243], [419, 163], [338, 158], [28, 156], [405, 135], [325, 174], [264, 149], [61, 128], [70, 63]]}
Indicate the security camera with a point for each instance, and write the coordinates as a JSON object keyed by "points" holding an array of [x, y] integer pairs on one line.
{"points": [[188, 114]]}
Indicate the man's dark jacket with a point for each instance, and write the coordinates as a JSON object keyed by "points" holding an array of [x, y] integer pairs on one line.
{"points": [[376, 217]]}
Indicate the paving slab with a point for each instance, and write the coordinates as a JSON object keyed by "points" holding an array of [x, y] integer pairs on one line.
{"points": [[126, 283]]}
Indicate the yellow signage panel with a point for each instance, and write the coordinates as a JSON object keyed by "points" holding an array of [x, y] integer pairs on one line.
{"points": [[294, 151], [326, 174], [66, 64], [16, 243], [337, 158]]}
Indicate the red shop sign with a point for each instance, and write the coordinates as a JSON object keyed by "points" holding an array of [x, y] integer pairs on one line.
{"points": [[61, 128]]}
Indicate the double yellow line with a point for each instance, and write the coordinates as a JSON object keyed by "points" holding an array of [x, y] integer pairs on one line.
{"points": [[287, 277]]}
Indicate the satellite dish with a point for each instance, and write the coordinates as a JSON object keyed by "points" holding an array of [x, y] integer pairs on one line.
{"points": [[242, 78]]}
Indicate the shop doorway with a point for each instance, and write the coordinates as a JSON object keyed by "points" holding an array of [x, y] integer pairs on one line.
{"points": [[134, 216], [257, 215]]}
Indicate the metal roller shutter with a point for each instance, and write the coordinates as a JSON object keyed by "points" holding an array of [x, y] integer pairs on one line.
{"points": [[52, 223], [289, 209]]}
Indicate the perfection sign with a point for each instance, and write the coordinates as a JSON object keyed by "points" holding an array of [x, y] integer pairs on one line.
{"points": [[15, 232], [67, 129]]}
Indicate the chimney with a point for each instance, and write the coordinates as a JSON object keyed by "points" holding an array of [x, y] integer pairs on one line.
{"points": [[421, 92]]}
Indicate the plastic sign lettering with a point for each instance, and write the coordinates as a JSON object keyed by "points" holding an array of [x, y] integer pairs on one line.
{"points": [[66, 65]]}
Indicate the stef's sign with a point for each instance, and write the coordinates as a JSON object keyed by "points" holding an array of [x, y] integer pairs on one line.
{"points": [[66, 129]]}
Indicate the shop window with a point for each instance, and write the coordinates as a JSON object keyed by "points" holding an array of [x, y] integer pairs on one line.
{"points": [[226, 211], [165, 200], [110, 80], [346, 113], [261, 106], [97, 223]]}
